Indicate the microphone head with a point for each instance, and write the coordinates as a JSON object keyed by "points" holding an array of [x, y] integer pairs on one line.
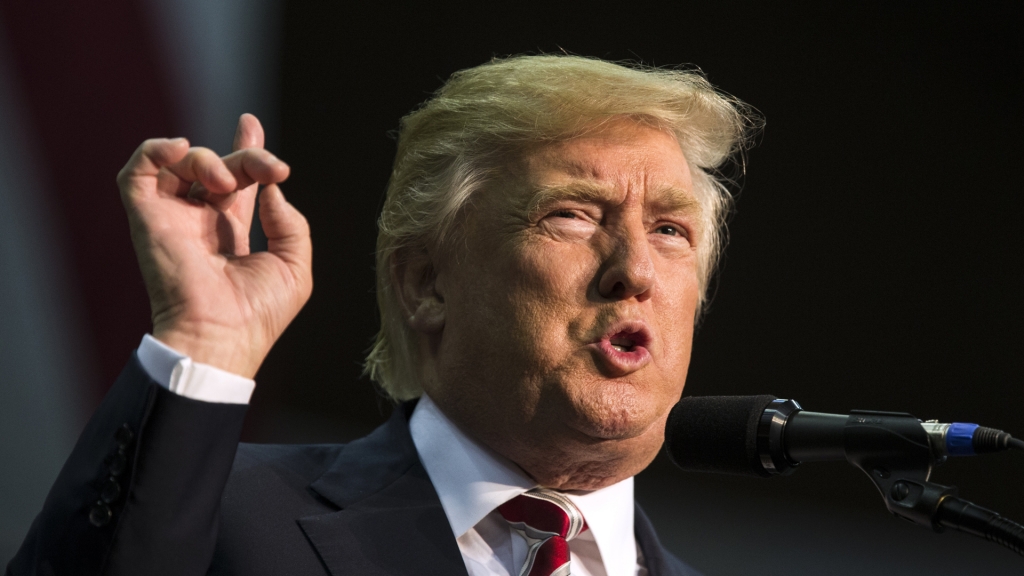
{"points": [[716, 434]]}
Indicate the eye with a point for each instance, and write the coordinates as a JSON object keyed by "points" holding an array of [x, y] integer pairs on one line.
{"points": [[576, 220], [668, 230]]}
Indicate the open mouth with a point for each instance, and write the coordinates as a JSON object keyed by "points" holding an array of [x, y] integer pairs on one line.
{"points": [[628, 336], [623, 342], [624, 347]]}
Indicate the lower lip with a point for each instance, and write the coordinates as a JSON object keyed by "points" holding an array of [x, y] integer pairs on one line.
{"points": [[623, 361]]}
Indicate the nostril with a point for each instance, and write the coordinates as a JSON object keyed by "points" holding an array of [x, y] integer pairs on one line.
{"points": [[620, 283]]}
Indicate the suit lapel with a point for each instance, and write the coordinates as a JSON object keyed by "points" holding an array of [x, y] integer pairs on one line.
{"points": [[654, 554], [391, 520]]}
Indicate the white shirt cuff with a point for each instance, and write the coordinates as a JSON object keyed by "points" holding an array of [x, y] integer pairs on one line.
{"points": [[179, 374]]}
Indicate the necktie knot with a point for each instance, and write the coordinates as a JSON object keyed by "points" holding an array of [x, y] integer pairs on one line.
{"points": [[547, 520]]}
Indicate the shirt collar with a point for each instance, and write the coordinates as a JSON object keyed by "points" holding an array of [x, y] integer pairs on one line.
{"points": [[472, 480], [609, 515]]}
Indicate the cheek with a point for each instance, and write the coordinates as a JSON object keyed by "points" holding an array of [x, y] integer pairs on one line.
{"points": [[518, 302], [546, 289], [675, 312], [552, 274]]}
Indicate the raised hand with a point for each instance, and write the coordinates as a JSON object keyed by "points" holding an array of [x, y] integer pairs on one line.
{"points": [[189, 212]]}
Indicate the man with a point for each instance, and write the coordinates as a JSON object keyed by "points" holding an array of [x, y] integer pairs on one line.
{"points": [[548, 234]]}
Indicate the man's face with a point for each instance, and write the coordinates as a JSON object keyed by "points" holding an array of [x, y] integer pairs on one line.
{"points": [[569, 306]]}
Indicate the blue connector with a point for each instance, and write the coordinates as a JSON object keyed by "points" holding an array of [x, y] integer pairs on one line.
{"points": [[960, 439]]}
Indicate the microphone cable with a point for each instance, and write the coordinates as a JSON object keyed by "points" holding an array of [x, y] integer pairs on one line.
{"points": [[964, 516]]}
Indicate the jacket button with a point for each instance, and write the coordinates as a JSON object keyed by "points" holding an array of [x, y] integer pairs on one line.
{"points": [[117, 463], [100, 515], [124, 435], [111, 491]]}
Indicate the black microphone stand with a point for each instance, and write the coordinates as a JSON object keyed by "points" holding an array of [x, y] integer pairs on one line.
{"points": [[893, 450]]}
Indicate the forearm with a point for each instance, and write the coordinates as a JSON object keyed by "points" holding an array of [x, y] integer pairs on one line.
{"points": [[146, 501], [140, 503]]}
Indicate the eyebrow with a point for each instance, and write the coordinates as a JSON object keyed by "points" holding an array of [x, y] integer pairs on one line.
{"points": [[669, 199]]}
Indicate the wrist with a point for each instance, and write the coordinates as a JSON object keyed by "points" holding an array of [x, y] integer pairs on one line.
{"points": [[225, 349]]}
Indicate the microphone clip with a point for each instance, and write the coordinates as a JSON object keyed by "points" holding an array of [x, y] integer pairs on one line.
{"points": [[894, 451], [892, 448]]}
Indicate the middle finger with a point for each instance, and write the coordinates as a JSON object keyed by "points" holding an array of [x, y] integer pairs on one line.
{"points": [[254, 165]]}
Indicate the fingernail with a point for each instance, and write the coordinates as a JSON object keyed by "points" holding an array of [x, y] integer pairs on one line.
{"points": [[178, 140]]}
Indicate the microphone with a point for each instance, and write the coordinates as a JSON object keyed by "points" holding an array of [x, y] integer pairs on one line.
{"points": [[765, 436]]}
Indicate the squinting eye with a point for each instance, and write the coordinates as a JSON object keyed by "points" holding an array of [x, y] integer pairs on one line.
{"points": [[668, 230], [564, 214]]}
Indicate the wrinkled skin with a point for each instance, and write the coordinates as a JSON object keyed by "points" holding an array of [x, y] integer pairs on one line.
{"points": [[586, 245]]}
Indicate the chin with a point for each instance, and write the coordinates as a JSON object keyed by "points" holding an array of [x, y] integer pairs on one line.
{"points": [[618, 411]]}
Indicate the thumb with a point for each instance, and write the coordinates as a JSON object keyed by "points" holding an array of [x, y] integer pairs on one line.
{"points": [[286, 229], [248, 134]]}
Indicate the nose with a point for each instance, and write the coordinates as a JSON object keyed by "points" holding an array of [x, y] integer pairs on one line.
{"points": [[628, 272]]}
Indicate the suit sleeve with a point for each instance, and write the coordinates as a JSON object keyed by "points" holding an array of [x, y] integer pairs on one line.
{"points": [[140, 493]]}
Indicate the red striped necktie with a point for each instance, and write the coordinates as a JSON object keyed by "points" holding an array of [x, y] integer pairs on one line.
{"points": [[547, 520]]}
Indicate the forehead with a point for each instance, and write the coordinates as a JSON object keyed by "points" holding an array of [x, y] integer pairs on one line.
{"points": [[624, 160]]}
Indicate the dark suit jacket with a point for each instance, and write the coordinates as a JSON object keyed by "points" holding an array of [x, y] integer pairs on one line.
{"points": [[158, 485]]}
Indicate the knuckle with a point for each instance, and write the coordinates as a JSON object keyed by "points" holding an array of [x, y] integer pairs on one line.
{"points": [[199, 154], [125, 178], [150, 147], [205, 153], [149, 144]]}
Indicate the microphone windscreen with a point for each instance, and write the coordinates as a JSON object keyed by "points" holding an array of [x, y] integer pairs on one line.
{"points": [[716, 434]]}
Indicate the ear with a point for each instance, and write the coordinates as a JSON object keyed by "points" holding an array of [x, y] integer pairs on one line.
{"points": [[414, 278]]}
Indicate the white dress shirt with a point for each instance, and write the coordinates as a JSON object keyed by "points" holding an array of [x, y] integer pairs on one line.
{"points": [[470, 479]]}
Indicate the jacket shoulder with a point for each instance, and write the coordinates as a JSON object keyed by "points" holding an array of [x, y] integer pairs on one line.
{"points": [[276, 477], [301, 461], [266, 493]]}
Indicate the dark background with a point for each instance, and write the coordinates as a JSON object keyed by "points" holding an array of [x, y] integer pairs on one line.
{"points": [[875, 257]]}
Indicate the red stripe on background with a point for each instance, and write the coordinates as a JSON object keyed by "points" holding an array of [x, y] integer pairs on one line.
{"points": [[91, 76]]}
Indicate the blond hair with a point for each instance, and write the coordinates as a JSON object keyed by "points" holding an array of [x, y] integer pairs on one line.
{"points": [[459, 140]]}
